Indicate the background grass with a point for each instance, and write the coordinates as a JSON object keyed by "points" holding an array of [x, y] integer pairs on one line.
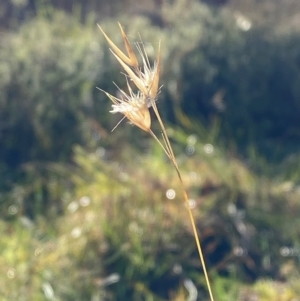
{"points": [[90, 215]]}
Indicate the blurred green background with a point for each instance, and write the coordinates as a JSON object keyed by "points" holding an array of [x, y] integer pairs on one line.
{"points": [[87, 214]]}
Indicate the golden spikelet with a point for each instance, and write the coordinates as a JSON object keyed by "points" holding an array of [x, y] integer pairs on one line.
{"points": [[131, 60], [133, 106]]}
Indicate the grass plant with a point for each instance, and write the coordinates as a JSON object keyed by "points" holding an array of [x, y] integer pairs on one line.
{"points": [[135, 107]]}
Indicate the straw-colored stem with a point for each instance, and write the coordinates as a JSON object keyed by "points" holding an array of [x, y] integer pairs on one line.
{"points": [[185, 196], [157, 140], [169, 151]]}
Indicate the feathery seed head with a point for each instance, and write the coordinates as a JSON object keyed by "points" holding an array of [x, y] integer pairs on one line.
{"points": [[150, 75], [146, 79], [133, 106]]}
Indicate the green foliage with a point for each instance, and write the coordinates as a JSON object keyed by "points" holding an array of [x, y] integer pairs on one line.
{"points": [[39, 262], [120, 236], [266, 290], [248, 81], [47, 86], [143, 232], [93, 222], [48, 99], [226, 289]]}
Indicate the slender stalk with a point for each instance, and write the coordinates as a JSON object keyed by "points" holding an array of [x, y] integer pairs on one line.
{"points": [[185, 196], [157, 140], [169, 152]]}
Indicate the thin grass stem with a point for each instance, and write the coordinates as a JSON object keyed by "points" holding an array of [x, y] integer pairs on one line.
{"points": [[195, 232], [185, 196], [172, 157], [161, 145]]}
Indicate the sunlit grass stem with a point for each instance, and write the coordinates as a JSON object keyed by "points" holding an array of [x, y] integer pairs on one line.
{"points": [[135, 107], [169, 152]]}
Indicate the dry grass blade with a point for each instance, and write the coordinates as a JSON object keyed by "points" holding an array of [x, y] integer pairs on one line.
{"points": [[155, 84], [131, 60]]}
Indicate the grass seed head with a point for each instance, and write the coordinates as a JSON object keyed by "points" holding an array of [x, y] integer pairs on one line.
{"points": [[133, 106], [145, 78]]}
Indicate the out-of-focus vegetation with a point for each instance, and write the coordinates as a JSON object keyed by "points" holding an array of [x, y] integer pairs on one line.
{"points": [[89, 215]]}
